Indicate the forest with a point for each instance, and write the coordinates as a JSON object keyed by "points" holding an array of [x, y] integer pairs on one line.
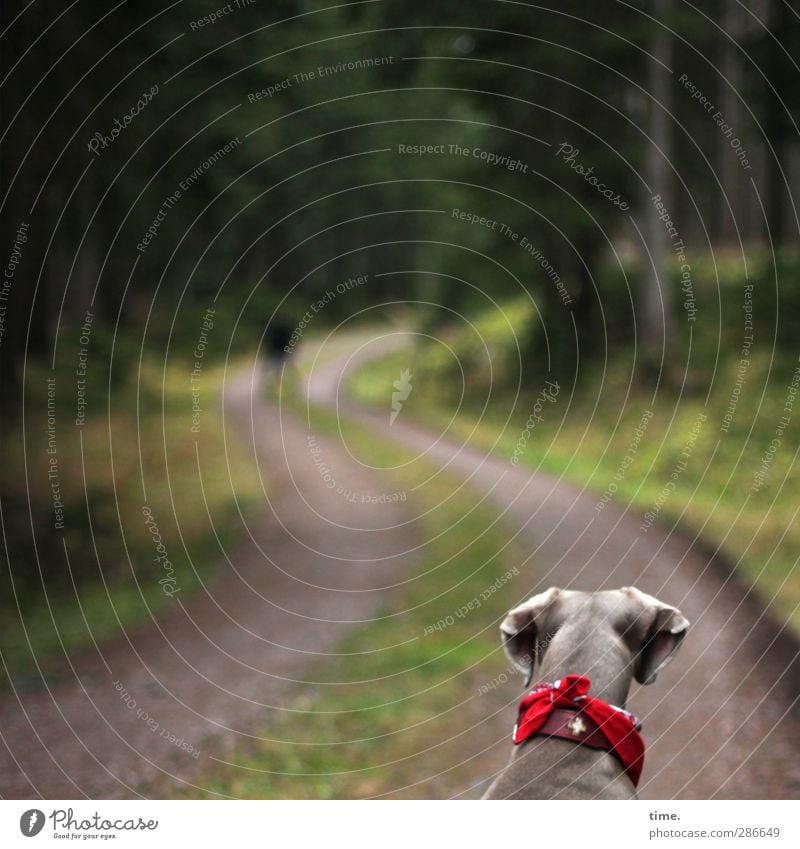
{"points": [[560, 234]]}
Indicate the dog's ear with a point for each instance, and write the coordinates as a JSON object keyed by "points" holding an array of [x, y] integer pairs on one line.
{"points": [[654, 636], [521, 628]]}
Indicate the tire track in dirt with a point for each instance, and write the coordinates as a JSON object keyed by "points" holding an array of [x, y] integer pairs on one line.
{"points": [[718, 723], [214, 669], [721, 721]]}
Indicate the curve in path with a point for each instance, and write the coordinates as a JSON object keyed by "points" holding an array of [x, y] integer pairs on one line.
{"points": [[718, 723], [211, 671], [721, 721]]}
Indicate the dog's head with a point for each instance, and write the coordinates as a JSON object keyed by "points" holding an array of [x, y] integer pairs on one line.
{"points": [[628, 620]]}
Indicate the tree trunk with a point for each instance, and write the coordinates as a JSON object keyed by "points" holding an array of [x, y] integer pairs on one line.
{"points": [[775, 125], [655, 320], [728, 166]]}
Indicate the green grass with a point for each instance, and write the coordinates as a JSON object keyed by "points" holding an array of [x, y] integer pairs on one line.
{"points": [[586, 438], [110, 580], [384, 718]]}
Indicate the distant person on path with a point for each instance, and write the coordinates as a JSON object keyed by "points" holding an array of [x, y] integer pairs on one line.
{"points": [[277, 338]]}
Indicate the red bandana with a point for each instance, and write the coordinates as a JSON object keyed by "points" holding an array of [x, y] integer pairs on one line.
{"points": [[617, 726]]}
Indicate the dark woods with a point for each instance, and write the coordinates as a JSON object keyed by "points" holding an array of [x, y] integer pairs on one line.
{"points": [[170, 167], [282, 121]]}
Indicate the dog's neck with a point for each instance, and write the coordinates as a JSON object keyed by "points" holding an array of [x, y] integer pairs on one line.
{"points": [[598, 654]]}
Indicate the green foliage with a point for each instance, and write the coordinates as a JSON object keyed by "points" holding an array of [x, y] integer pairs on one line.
{"points": [[104, 574], [735, 491]]}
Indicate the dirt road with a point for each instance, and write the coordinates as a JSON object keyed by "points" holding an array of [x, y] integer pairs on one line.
{"points": [[207, 674], [719, 722], [722, 720]]}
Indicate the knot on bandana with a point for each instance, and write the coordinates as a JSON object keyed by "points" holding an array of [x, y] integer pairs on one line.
{"points": [[619, 728]]}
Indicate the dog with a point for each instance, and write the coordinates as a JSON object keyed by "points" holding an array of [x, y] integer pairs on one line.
{"points": [[574, 739]]}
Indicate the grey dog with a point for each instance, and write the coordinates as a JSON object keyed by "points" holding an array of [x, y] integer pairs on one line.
{"points": [[611, 637]]}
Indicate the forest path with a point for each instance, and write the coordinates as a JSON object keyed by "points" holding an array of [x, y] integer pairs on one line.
{"points": [[718, 722], [205, 675], [721, 721]]}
